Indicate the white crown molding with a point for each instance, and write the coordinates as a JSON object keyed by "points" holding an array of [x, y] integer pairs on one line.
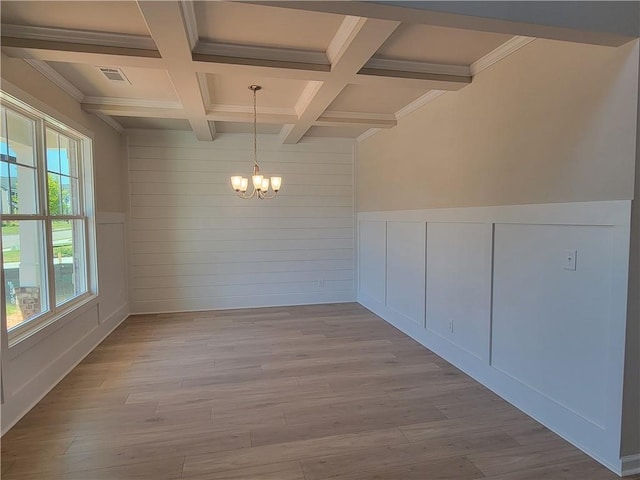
{"points": [[418, 67], [46, 70], [507, 48], [190, 22], [110, 121], [430, 96], [367, 134], [342, 38], [132, 102], [261, 53], [83, 37]]}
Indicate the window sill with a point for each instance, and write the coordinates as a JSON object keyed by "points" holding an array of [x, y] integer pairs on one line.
{"points": [[23, 341]]}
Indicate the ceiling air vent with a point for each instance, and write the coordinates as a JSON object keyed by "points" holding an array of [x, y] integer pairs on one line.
{"points": [[114, 74]]}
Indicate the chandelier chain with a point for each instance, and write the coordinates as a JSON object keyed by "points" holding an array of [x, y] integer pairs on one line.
{"points": [[255, 129]]}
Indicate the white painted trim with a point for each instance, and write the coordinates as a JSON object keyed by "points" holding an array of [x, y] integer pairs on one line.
{"points": [[83, 37], [242, 302], [110, 121], [507, 48], [599, 213], [630, 465], [131, 102], [190, 22], [430, 96], [341, 40], [119, 316], [46, 70], [261, 53], [418, 67], [367, 134]]}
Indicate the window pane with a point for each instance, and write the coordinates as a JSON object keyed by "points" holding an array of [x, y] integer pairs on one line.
{"points": [[17, 171], [20, 132], [24, 270], [53, 151], [64, 198], [69, 259]]}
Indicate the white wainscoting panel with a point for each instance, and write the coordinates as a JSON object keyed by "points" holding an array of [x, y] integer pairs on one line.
{"points": [[550, 324], [547, 339], [194, 245], [459, 284], [32, 367], [405, 270], [372, 251]]}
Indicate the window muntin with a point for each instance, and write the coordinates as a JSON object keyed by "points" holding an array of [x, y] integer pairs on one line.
{"points": [[45, 226]]}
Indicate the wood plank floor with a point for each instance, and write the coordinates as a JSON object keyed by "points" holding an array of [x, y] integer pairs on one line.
{"points": [[296, 393]]}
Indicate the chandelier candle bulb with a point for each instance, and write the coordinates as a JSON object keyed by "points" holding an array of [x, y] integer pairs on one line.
{"points": [[236, 182], [259, 181]]}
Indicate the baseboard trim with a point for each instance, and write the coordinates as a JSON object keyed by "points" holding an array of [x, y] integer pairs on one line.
{"points": [[630, 465], [124, 311]]}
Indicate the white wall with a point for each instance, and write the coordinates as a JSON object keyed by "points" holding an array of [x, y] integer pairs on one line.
{"points": [[499, 304], [32, 367], [195, 246]]}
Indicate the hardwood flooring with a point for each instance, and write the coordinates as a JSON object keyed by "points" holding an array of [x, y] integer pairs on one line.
{"points": [[296, 393]]}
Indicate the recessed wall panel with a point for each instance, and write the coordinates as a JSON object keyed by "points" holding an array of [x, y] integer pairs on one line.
{"points": [[372, 251], [405, 269], [549, 320], [458, 303]]}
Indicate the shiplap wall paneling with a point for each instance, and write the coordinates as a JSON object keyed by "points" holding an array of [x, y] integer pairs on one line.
{"points": [[539, 302], [194, 245], [406, 270], [458, 305], [372, 251]]}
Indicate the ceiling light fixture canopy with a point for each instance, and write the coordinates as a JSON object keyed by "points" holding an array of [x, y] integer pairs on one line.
{"points": [[259, 182]]}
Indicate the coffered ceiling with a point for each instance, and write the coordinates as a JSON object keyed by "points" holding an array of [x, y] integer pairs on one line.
{"points": [[187, 65]]}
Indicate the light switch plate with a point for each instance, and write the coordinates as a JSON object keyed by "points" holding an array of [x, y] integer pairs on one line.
{"points": [[570, 259]]}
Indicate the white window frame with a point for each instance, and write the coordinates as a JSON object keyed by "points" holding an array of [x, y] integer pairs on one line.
{"points": [[87, 214]]}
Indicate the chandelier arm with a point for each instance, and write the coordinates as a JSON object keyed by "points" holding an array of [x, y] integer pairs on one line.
{"points": [[247, 197], [268, 196]]}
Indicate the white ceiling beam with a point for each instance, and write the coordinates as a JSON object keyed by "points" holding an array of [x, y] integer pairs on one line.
{"points": [[133, 108], [80, 53], [168, 30], [611, 23], [353, 45], [84, 37]]}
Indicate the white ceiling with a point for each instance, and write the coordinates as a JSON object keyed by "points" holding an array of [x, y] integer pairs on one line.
{"points": [[189, 64]]}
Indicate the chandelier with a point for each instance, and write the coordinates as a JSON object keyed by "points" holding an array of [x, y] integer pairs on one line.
{"points": [[259, 182]]}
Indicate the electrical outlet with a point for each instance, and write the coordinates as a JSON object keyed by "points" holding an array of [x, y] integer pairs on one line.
{"points": [[570, 259], [451, 326]]}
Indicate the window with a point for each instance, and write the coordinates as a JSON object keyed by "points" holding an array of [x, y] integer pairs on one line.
{"points": [[45, 197]]}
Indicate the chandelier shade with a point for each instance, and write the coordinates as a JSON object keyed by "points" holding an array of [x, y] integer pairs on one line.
{"points": [[259, 183]]}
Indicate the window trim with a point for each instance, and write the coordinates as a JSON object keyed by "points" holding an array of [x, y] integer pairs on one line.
{"points": [[86, 193]]}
